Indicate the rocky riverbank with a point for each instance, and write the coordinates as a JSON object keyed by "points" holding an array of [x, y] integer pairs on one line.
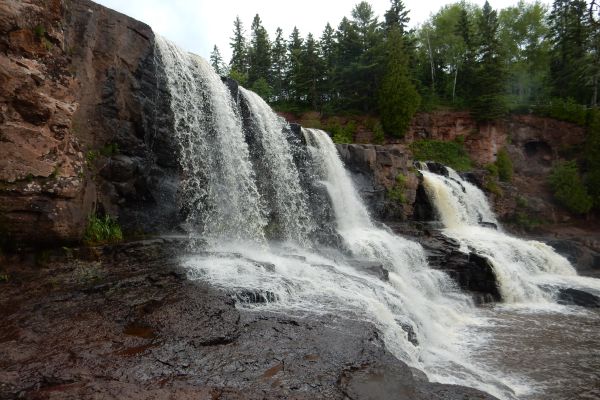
{"points": [[124, 322]]}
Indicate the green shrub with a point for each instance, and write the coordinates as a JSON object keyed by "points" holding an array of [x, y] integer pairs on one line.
{"points": [[592, 156], [378, 134], [564, 110], [262, 88], [102, 230], [39, 31], [341, 134], [569, 189], [396, 193], [504, 166], [526, 221], [491, 185], [452, 154], [109, 150], [492, 169]]}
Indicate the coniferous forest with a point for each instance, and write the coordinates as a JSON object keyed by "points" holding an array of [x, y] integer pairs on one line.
{"points": [[527, 58]]}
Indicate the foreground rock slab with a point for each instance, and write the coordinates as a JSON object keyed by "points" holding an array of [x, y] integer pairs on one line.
{"points": [[124, 322]]}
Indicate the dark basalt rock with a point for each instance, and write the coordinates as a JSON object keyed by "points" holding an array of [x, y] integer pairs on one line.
{"points": [[473, 273], [488, 224], [255, 297], [437, 168], [570, 296], [124, 322], [423, 208], [373, 268]]}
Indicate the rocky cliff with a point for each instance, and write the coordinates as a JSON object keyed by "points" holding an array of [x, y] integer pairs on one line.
{"points": [[80, 115]]}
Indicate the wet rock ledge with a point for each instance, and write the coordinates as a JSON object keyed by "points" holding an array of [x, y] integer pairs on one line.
{"points": [[124, 322]]}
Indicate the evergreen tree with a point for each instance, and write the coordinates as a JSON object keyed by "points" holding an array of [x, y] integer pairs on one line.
{"points": [[349, 50], [489, 101], [466, 78], [310, 73], [398, 98], [569, 34], [328, 54], [278, 66], [260, 53], [367, 70], [396, 17], [293, 69], [217, 61], [239, 57]]}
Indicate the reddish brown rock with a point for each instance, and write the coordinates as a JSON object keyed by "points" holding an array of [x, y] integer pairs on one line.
{"points": [[76, 79]]}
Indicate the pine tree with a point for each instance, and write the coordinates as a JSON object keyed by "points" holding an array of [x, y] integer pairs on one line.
{"points": [[259, 53], [278, 66], [293, 69], [398, 98], [569, 34], [239, 57], [396, 17], [310, 73], [466, 78], [217, 61], [489, 102], [328, 53]]}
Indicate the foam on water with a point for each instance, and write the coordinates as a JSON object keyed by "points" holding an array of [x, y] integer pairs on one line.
{"points": [[221, 194], [528, 271]]}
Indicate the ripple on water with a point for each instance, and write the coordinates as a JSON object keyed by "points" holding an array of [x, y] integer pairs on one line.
{"points": [[556, 350]]}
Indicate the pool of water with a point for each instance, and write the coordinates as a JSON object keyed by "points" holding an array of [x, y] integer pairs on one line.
{"points": [[553, 353]]}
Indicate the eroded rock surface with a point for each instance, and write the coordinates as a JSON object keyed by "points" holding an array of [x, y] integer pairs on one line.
{"points": [[124, 322]]}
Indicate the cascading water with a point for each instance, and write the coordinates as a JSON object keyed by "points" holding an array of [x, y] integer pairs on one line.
{"points": [[527, 271], [218, 187], [289, 202], [420, 312]]}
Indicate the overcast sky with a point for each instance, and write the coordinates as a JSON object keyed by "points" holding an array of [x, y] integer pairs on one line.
{"points": [[197, 25]]}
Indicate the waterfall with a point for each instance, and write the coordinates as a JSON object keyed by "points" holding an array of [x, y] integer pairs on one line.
{"points": [[427, 297], [292, 219], [219, 192], [245, 193], [527, 271]]}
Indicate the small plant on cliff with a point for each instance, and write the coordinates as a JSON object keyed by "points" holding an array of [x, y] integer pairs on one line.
{"points": [[39, 31], [505, 167], [341, 134], [102, 230], [109, 149], [451, 154], [569, 189], [396, 193]]}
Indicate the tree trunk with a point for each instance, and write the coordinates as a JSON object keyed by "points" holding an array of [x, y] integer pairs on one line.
{"points": [[454, 86], [431, 63]]}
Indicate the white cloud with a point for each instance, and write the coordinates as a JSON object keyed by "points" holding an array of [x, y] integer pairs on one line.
{"points": [[198, 25]]}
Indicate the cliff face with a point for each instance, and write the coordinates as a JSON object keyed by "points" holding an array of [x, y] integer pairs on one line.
{"points": [[385, 177], [77, 82]]}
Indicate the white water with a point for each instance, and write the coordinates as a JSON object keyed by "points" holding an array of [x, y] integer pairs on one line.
{"points": [[221, 195], [528, 271], [287, 196], [218, 185]]}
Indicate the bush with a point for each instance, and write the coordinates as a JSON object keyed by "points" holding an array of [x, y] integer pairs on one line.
{"points": [[262, 88], [564, 110], [339, 133], [504, 166], [102, 230], [452, 154], [569, 189], [396, 193]]}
